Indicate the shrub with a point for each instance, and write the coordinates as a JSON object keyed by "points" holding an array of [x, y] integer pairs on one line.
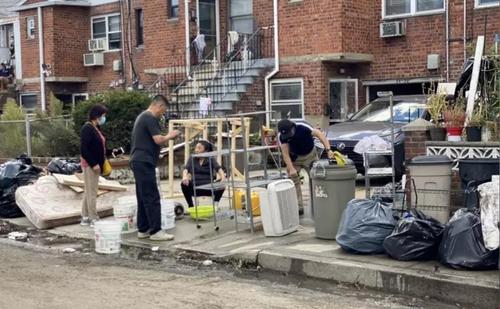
{"points": [[12, 134], [123, 109]]}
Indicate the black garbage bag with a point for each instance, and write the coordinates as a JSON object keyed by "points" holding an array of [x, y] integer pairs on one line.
{"points": [[462, 246], [416, 237], [364, 226], [15, 174], [64, 166]]}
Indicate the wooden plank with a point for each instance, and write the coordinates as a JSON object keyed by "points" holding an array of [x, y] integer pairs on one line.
{"points": [[111, 186], [471, 98]]}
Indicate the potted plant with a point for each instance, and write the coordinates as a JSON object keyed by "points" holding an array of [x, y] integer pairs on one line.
{"points": [[454, 118], [435, 106], [474, 126]]}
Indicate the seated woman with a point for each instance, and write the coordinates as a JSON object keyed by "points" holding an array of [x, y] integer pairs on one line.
{"points": [[201, 171]]}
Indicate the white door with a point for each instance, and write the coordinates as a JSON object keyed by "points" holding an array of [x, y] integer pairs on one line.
{"points": [[343, 99]]}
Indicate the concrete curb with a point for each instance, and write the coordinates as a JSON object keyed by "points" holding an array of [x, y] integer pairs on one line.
{"points": [[445, 288]]}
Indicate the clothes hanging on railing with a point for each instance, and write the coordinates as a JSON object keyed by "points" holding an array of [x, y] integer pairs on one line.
{"points": [[205, 103], [200, 44], [232, 38]]}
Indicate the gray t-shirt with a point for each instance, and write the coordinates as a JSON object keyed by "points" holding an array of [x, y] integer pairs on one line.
{"points": [[143, 147]]}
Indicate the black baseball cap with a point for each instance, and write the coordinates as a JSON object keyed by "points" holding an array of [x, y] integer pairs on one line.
{"points": [[286, 128]]}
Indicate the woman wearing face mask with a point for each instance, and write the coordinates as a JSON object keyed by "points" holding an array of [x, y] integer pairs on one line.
{"points": [[201, 171], [93, 155]]}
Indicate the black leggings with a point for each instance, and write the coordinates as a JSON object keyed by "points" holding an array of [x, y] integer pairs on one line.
{"points": [[188, 192]]}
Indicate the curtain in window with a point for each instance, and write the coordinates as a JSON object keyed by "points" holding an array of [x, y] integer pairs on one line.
{"points": [[429, 5], [396, 7]]}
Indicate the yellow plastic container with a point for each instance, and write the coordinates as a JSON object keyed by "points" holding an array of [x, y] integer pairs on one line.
{"points": [[239, 201]]}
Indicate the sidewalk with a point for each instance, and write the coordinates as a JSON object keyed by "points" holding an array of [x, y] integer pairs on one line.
{"points": [[301, 253]]}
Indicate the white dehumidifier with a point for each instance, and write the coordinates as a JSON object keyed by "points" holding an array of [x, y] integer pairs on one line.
{"points": [[279, 208]]}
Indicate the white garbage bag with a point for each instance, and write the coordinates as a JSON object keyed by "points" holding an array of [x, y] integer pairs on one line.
{"points": [[490, 204], [372, 143]]}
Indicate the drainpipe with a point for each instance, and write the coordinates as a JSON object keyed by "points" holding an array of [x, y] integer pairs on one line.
{"points": [[447, 41], [276, 62], [41, 59], [186, 22], [465, 30]]}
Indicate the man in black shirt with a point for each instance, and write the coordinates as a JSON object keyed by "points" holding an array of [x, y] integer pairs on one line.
{"points": [[298, 149], [145, 153]]}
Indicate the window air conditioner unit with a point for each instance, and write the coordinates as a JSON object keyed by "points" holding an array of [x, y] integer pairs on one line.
{"points": [[279, 208], [93, 59], [392, 29], [97, 45]]}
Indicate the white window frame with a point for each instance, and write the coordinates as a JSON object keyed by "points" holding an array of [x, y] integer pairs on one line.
{"points": [[287, 102], [25, 94], [478, 5], [413, 11], [30, 19], [74, 95], [106, 17]]}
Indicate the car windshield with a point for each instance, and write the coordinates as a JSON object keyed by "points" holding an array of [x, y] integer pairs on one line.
{"points": [[380, 111]]}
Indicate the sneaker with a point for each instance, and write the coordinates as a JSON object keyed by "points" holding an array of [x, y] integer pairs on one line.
{"points": [[85, 221], [161, 236], [143, 235], [93, 221]]}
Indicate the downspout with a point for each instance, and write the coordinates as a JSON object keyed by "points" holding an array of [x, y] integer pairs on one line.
{"points": [[447, 41], [41, 59], [465, 30], [276, 63], [186, 22]]}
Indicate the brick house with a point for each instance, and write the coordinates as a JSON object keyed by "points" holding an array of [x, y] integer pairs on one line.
{"points": [[332, 59]]}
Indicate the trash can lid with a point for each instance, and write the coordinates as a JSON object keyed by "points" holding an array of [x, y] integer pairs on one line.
{"points": [[431, 160]]}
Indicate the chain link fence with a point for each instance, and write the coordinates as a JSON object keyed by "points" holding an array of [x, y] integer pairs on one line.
{"points": [[38, 137]]}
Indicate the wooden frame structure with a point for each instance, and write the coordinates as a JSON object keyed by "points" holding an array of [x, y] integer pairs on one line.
{"points": [[194, 127]]}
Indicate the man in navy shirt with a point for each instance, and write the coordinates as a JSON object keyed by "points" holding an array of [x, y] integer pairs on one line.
{"points": [[299, 151]]}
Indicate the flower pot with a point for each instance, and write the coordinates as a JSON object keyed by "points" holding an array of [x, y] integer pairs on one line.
{"points": [[473, 134], [437, 133], [454, 134]]}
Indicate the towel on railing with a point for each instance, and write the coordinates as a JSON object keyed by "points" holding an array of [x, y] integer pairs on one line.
{"points": [[199, 44]]}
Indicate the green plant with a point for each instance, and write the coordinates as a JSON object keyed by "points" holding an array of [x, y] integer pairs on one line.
{"points": [[56, 106], [123, 109], [477, 119], [13, 131], [436, 107]]}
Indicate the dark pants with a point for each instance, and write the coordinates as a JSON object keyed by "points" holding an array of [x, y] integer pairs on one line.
{"points": [[148, 197], [188, 192]]}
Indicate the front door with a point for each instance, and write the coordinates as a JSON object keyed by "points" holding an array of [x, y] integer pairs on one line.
{"points": [[207, 23], [343, 99]]}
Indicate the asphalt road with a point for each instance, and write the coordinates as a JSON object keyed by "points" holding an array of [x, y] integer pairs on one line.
{"points": [[31, 279]]}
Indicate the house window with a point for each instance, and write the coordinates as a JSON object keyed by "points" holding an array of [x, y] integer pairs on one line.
{"points": [[139, 19], [30, 27], [242, 20], [287, 99], [28, 102], [173, 8], [487, 3], [108, 27], [398, 8]]}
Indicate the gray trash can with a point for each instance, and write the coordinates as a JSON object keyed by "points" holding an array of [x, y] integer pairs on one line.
{"points": [[332, 188], [432, 176]]}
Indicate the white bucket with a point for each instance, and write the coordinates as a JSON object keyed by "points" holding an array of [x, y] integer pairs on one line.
{"points": [[107, 236], [125, 212], [167, 214]]}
